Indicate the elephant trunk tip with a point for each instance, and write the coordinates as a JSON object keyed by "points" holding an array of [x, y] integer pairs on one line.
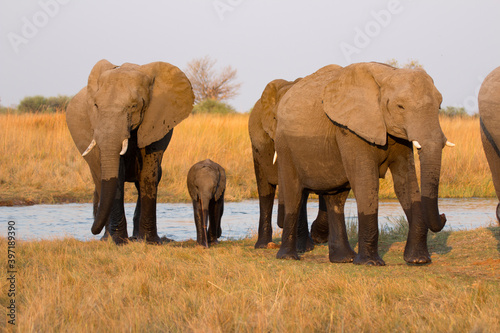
{"points": [[440, 225]]}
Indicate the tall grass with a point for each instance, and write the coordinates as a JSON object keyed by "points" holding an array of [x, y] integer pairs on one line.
{"points": [[68, 285], [40, 164]]}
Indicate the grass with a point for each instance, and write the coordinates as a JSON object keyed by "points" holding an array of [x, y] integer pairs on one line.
{"points": [[40, 164], [68, 285]]}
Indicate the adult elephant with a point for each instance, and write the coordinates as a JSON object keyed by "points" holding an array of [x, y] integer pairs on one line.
{"points": [[121, 123], [489, 112], [343, 128], [262, 128]]}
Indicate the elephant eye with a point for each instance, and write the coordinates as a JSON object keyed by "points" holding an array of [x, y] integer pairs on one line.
{"points": [[401, 107], [96, 105]]}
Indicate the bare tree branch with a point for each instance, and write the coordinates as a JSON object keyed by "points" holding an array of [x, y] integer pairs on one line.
{"points": [[207, 84]]}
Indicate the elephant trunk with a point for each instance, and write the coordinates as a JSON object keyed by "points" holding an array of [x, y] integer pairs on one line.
{"points": [[110, 163], [430, 168]]}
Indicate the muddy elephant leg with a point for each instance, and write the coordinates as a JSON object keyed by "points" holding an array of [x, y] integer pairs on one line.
{"points": [[339, 249], [137, 212], [492, 153], [148, 190], [304, 240], [200, 221], [407, 190], [281, 210], [117, 222], [216, 210], [266, 202], [319, 228], [293, 197]]}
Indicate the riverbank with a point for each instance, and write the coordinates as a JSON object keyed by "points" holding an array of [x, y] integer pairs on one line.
{"points": [[40, 164], [69, 285]]}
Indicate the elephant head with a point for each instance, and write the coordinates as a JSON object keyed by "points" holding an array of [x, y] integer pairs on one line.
{"points": [[150, 99], [373, 100]]}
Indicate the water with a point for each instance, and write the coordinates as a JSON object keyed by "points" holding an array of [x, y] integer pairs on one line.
{"points": [[240, 219]]}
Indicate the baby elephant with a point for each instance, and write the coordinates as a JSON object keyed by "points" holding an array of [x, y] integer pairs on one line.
{"points": [[206, 183]]}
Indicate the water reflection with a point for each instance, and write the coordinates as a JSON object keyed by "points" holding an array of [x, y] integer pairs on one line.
{"points": [[240, 218]]}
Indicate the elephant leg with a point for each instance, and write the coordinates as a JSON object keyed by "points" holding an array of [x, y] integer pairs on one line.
{"points": [[137, 212], [339, 249], [363, 175], [216, 210], [407, 191], [200, 221], [319, 228], [493, 157], [304, 240], [293, 197], [281, 210], [117, 222], [148, 190], [266, 202]]}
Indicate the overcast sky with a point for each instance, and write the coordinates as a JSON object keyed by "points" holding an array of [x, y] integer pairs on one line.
{"points": [[48, 47]]}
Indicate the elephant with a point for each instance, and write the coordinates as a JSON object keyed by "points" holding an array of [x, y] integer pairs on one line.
{"points": [[261, 129], [206, 182], [122, 123], [489, 116], [342, 128]]}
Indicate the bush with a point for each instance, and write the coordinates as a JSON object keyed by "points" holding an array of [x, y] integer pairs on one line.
{"points": [[451, 111], [213, 106], [41, 104]]}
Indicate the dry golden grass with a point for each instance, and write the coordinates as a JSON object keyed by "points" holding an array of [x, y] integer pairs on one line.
{"points": [[40, 164], [72, 286]]}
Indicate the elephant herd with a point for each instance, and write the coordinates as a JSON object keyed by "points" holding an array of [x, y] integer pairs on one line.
{"points": [[336, 130]]}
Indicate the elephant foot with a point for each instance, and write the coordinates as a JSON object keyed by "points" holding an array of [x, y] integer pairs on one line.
{"points": [[318, 234], [154, 240], [343, 255], [287, 254], [213, 242], [373, 260], [416, 256], [305, 244], [262, 243]]}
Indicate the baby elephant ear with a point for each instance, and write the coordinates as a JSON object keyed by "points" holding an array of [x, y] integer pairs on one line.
{"points": [[171, 101], [269, 101], [352, 100]]}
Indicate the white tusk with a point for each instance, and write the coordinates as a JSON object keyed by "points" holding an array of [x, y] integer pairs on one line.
{"points": [[416, 144], [89, 148], [124, 147], [450, 144], [275, 157]]}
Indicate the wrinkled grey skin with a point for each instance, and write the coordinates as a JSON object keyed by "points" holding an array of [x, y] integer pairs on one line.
{"points": [[206, 182], [343, 128], [489, 112], [261, 129], [139, 105]]}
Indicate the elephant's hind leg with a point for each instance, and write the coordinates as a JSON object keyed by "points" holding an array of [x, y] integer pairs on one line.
{"points": [[339, 249]]}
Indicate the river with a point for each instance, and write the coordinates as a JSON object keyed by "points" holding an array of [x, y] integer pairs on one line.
{"points": [[175, 220]]}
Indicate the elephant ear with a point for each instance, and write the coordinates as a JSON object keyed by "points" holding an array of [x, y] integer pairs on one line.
{"points": [[171, 101], [352, 100], [93, 82], [269, 101]]}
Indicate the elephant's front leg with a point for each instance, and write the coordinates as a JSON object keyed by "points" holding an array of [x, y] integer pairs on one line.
{"points": [[339, 249], [319, 228], [149, 178], [365, 185], [407, 190]]}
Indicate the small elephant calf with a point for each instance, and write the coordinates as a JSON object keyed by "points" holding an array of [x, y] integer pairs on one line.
{"points": [[206, 183]]}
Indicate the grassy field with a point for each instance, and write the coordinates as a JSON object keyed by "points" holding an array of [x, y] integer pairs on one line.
{"points": [[73, 286], [40, 164]]}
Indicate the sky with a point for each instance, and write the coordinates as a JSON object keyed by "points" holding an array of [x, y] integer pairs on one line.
{"points": [[48, 47]]}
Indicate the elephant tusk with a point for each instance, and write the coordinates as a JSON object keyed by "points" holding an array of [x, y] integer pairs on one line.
{"points": [[416, 144], [124, 147], [89, 148], [450, 144], [275, 157]]}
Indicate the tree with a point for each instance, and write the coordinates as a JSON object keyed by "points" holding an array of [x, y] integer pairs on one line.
{"points": [[411, 64], [40, 103], [208, 84]]}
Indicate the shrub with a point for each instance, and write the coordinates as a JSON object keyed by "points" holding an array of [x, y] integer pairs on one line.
{"points": [[213, 106], [40, 103], [451, 111]]}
